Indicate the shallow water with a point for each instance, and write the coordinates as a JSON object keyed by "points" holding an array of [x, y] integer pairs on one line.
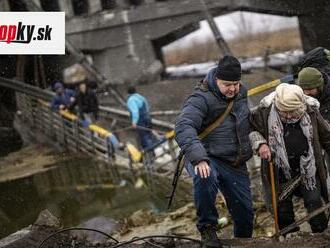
{"points": [[80, 193]]}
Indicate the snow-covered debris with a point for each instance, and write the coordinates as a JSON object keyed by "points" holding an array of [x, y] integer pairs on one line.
{"points": [[201, 69]]}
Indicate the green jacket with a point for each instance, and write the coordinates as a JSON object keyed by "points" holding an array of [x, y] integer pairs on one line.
{"points": [[321, 139]]}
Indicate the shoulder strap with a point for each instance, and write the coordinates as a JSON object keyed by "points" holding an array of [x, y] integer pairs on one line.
{"points": [[217, 122], [181, 158]]}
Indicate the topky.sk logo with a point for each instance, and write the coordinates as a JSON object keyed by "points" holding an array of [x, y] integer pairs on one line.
{"points": [[32, 33], [21, 33]]}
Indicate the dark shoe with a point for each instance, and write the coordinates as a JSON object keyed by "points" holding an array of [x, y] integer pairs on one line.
{"points": [[296, 229], [210, 238]]}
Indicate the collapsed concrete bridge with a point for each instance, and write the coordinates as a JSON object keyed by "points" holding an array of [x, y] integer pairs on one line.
{"points": [[124, 38]]}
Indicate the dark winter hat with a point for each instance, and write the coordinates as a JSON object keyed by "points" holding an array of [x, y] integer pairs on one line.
{"points": [[131, 89], [229, 69], [58, 85], [310, 78]]}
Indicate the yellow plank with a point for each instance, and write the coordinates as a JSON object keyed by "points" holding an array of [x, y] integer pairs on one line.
{"points": [[263, 87], [99, 130], [42, 102], [66, 114], [134, 153]]}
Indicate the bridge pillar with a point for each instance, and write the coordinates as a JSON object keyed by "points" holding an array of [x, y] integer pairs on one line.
{"points": [[4, 5], [80, 7], [66, 6], [50, 5], [314, 29], [108, 4], [122, 4], [94, 6], [37, 3]]}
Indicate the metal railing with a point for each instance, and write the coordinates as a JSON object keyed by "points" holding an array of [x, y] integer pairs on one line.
{"points": [[66, 129], [46, 95]]}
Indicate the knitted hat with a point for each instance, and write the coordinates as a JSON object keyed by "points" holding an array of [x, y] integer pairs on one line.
{"points": [[229, 69], [310, 78], [131, 89], [58, 85], [289, 97]]}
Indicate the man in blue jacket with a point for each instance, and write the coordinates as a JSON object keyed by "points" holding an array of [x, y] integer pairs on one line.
{"points": [[63, 99], [141, 121], [218, 162]]}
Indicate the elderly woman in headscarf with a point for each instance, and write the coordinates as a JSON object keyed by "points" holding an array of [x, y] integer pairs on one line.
{"points": [[289, 130]]}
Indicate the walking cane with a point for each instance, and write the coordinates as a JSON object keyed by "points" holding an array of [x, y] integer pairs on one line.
{"points": [[274, 195]]}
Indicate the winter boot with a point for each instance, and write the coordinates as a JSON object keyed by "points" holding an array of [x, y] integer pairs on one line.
{"points": [[210, 238]]}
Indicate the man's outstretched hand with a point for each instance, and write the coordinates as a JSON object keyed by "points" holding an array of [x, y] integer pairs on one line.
{"points": [[203, 169]]}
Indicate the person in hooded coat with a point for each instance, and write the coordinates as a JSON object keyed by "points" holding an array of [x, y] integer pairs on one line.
{"points": [[316, 84], [218, 162]]}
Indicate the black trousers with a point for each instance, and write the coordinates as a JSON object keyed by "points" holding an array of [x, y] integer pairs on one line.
{"points": [[312, 201]]}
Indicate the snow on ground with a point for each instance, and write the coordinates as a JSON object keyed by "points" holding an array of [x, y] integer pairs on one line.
{"points": [[200, 69]]}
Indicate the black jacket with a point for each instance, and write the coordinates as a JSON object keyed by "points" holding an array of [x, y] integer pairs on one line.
{"points": [[87, 103], [324, 98]]}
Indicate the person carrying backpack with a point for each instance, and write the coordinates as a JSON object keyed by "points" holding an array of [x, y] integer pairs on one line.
{"points": [[316, 84], [313, 78]]}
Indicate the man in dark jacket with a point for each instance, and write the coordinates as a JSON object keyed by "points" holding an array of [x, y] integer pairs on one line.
{"points": [[64, 98], [87, 104], [218, 161], [316, 84], [288, 124]]}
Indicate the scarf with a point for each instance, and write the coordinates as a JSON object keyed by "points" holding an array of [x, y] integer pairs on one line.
{"points": [[277, 146]]}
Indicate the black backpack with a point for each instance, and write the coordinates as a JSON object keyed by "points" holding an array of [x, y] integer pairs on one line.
{"points": [[317, 58]]}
